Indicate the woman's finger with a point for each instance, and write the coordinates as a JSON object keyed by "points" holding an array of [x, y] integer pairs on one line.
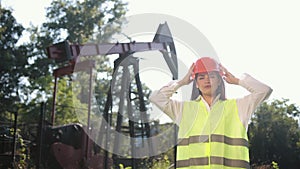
{"points": [[223, 69]]}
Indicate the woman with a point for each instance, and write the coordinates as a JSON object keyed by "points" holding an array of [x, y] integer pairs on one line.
{"points": [[212, 129]]}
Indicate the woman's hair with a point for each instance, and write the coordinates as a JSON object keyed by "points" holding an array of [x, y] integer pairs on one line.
{"points": [[220, 90]]}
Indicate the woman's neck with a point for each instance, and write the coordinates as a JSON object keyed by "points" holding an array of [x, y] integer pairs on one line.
{"points": [[209, 99]]}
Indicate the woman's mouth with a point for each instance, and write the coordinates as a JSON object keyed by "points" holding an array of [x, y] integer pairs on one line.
{"points": [[207, 86]]}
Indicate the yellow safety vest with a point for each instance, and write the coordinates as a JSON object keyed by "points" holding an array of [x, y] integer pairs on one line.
{"points": [[215, 139]]}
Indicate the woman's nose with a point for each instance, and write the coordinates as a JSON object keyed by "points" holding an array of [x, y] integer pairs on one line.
{"points": [[206, 78]]}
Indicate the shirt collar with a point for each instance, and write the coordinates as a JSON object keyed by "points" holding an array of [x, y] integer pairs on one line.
{"points": [[215, 100]]}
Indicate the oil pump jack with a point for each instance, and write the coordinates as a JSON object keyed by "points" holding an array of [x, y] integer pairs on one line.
{"points": [[64, 51]]}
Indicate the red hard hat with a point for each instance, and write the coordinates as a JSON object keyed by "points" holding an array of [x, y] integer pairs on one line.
{"points": [[206, 64]]}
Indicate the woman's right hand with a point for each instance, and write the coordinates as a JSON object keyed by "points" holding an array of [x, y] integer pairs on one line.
{"points": [[187, 79]]}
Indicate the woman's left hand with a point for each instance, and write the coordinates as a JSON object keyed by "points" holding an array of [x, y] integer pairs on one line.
{"points": [[228, 77]]}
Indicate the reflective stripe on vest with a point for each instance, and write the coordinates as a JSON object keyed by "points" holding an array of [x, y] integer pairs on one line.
{"points": [[216, 138], [213, 160]]}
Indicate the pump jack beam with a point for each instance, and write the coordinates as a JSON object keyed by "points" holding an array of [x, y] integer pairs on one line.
{"points": [[162, 42], [74, 50]]}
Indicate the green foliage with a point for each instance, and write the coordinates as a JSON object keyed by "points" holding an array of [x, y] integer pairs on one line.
{"points": [[161, 163], [67, 104], [21, 151], [274, 134], [78, 22], [122, 167], [13, 63], [275, 165], [10, 140], [82, 21]]}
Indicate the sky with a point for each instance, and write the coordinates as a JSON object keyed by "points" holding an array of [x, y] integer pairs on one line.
{"points": [[258, 37]]}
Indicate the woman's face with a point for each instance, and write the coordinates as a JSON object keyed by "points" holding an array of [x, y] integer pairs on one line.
{"points": [[208, 83]]}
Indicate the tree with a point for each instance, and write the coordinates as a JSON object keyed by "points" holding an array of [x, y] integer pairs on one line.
{"points": [[25, 70], [88, 20], [274, 135], [13, 62], [78, 22], [13, 73]]}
